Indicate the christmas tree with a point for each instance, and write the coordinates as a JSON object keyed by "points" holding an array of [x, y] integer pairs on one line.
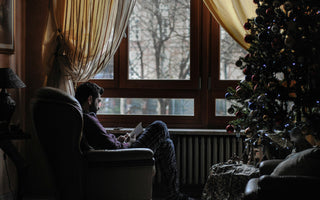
{"points": [[281, 89]]}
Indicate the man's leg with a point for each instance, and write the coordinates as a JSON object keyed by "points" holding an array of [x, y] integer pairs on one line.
{"points": [[157, 137], [166, 161]]}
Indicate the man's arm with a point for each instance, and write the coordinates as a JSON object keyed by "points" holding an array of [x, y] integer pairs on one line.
{"points": [[97, 136]]}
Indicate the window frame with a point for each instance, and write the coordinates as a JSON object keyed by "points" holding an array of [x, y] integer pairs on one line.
{"points": [[193, 83], [204, 85]]}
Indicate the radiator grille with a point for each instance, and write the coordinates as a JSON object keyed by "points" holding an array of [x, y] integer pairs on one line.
{"points": [[196, 153]]}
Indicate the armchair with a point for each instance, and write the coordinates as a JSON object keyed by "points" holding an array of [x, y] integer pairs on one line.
{"points": [[271, 185], [95, 174]]}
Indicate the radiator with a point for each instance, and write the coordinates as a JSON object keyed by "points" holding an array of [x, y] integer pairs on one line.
{"points": [[197, 152]]}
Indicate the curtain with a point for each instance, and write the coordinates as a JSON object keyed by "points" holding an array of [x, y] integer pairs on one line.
{"points": [[81, 37], [231, 15]]}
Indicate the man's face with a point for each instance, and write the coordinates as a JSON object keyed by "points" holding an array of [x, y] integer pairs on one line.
{"points": [[95, 106]]}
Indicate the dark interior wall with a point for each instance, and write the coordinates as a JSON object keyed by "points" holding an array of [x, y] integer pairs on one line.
{"points": [[15, 61], [30, 21], [7, 169], [39, 181]]}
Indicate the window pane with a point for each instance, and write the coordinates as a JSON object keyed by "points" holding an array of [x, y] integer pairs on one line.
{"points": [[107, 72], [159, 40], [230, 51], [147, 106], [222, 106]]}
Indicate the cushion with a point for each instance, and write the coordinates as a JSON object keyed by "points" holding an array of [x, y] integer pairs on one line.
{"points": [[304, 163]]}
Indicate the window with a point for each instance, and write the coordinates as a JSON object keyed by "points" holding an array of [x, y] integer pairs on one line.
{"points": [[159, 46], [169, 67], [230, 51], [147, 106], [107, 72]]}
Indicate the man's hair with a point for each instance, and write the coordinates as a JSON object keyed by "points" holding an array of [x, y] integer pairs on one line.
{"points": [[87, 89]]}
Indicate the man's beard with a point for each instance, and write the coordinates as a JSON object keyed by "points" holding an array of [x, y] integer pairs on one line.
{"points": [[93, 108]]}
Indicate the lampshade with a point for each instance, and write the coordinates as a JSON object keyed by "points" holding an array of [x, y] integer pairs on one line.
{"points": [[9, 79]]}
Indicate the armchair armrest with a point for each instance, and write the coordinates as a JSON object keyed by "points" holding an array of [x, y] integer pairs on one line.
{"points": [[266, 167], [119, 174], [128, 157], [292, 183], [252, 189], [282, 187]]}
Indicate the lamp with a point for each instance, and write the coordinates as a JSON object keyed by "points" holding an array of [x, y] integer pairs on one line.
{"points": [[8, 79]]}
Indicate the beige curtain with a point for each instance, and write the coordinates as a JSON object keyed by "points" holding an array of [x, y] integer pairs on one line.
{"points": [[231, 15], [81, 37]]}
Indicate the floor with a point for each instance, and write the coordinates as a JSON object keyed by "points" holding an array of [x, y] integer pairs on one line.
{"points": [[42, 198], [193, 191]]}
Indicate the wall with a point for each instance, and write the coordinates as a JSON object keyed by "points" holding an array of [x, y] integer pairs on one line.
{"points": [[39, 181], [30, 20], [7, 169], [8, 178]]}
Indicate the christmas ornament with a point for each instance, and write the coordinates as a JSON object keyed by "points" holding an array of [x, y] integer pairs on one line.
{"points": [[230, 128]]}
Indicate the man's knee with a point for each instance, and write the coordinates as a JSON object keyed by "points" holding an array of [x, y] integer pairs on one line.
{"points": [[162, 127], [160, 124]]}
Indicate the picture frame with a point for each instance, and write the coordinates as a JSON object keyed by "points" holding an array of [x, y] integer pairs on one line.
{"points": [[7, 26]]}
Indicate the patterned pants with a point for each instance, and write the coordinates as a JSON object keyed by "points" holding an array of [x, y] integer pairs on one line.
{"points": [[156, 137]]}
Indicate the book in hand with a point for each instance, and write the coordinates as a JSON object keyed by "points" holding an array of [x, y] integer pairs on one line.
{"points": [[137, 130]]}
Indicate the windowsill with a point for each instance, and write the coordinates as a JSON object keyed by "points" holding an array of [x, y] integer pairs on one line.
{"points": [[175, 131]]}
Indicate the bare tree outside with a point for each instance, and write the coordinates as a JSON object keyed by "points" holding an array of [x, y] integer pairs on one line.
{"points": [[107, 72], [159, 49], [230, 51], [159, 44], [159, 40], [145, 106]]}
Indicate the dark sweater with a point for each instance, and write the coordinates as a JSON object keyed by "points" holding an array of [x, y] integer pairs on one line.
{"points": [[96, 135]]}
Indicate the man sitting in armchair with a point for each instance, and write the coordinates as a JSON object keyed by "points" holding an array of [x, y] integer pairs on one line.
{"points": [[156, 137]]}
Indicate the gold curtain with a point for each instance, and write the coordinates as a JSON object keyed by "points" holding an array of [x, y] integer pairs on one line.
{"points": [[81, 37], [231, 15]]}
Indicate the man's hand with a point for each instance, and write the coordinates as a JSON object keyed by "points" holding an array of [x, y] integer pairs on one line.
{"points": [[122, 138], [131, 140], [126, 138]]}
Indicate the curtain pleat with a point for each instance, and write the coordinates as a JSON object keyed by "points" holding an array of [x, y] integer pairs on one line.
{"points": [[81, 38], [231, 15]]}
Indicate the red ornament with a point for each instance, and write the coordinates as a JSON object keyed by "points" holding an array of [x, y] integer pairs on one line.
{"points": [[247, 26], [230, 128], [239, 90], [247, 57], [255, 87], [269, 11], [247, 131], [239, 114], [254, 78], [247, 70]]}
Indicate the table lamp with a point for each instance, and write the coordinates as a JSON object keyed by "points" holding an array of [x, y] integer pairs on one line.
{"points": [[8, 79]]}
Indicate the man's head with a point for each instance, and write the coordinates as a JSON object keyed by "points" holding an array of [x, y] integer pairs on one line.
{"points": [[89, 96]]}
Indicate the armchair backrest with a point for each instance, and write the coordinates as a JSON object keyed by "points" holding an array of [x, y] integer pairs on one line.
{"points": [[57, 118]]}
